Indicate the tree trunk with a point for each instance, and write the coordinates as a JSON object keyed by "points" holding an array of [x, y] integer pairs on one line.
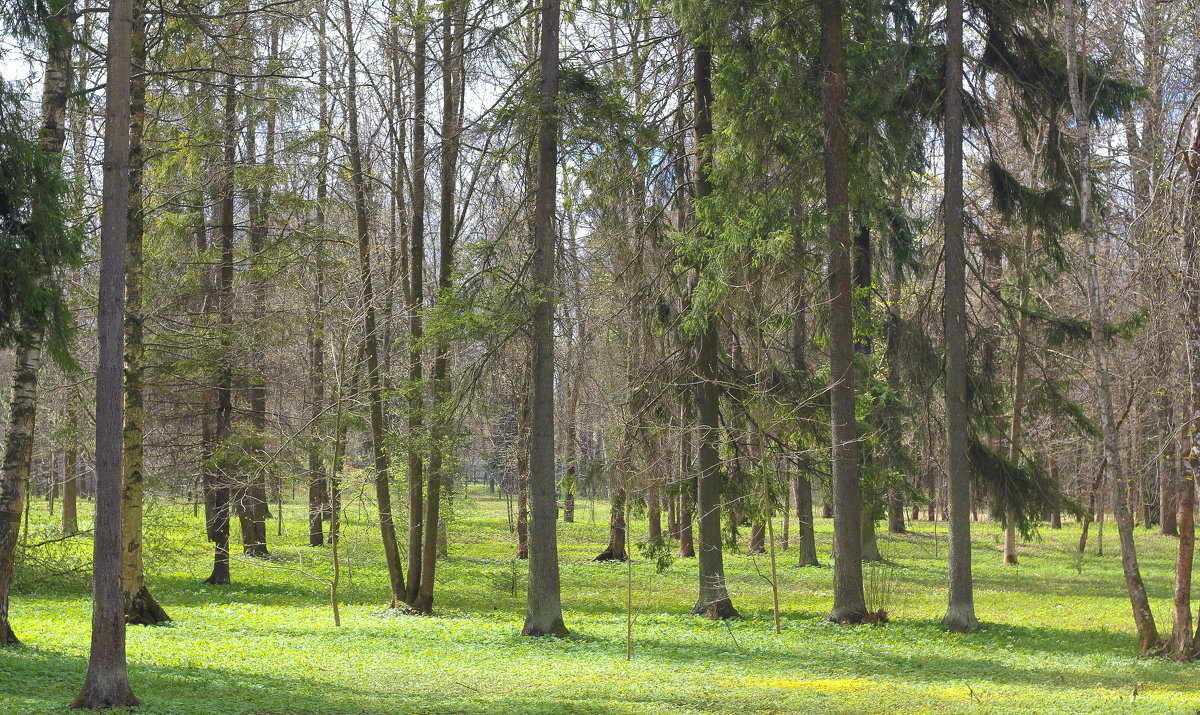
{"points": [[70, 519], [318, 484], [141, 608], [1142, 615], [451, 86], [713, 599], [1182, 644], [523, 419], [960, 611], [383, 497], [543, 615], [617, 529], [416, 309], [14, 480], [107, 682], [687, 495], [848, 603]]}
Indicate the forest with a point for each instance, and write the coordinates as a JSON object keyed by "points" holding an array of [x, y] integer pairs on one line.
{"points": [[665, 357]]}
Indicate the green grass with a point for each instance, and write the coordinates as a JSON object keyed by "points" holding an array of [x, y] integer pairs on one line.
{"points": [[1058, 631]]}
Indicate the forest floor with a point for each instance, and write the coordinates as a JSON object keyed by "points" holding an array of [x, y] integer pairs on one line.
{"points": [[1058, 635]]}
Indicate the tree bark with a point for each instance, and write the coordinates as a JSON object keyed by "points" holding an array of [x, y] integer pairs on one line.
{"points": [[543, 615], [416, 309], [1182, 644], [141, 608], [1142, 615], [107, 681], [319, 507], [960, 611], [70, 518], [848, 602], [383, 496], [713, 599], [451, 86]]}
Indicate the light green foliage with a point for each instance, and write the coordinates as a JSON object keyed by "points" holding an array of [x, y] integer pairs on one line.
{"points": [[1054, 641]]}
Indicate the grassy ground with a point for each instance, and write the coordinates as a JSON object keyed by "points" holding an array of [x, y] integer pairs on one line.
{"points": [[1058, 632]]}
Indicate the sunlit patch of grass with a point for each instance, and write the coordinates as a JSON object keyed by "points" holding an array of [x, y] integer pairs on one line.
{"points": [[1058, 635]]}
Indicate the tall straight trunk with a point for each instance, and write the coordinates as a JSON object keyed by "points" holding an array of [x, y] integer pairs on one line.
{"points": [[451, 79], [141, 608], [687, 495], [864, 345], [1018, 398], [806, 538], [318, 484], [383, 496], [1168, 509], [254, 540], [70, 518], [107, 681], [713, 599], [19, 432], [960, 610], [223, 476], [543, 615], [653, 509], [1182, 644], [1142, 615], [416, 308], [848, 603], [524, 417]]}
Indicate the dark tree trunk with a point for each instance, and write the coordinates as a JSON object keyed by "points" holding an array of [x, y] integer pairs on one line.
{"points": [[523, 446], [543, 614], [383, 496], [848, 602], [107, 682], [615, 551], [960, 611], [451, 85], [318, 485], [714, 598], [416, 308], [141, 608]]}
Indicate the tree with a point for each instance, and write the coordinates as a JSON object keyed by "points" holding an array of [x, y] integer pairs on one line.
{"points": [[34, 242], [960, 612], [713, 599], [383, 497], [848, 602], [543, 615], [140, 605], [107, 682]]}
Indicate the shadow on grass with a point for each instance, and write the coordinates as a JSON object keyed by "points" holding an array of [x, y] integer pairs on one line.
{"points": [[46, 681]]}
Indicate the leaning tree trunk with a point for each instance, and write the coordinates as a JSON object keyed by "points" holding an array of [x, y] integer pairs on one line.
{"points": [[107, 682], [960, 610], [383, 496], [1142, 615], [543, 614], [141, 608]]}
